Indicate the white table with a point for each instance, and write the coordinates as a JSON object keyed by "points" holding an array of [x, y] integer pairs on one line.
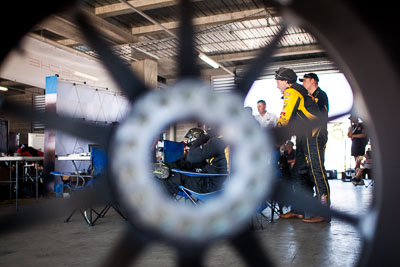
{"points": [[17, 159], [74, 158]]}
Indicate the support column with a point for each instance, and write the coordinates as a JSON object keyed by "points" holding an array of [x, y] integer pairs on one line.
{"points": [[50, 137], [147, 70]]}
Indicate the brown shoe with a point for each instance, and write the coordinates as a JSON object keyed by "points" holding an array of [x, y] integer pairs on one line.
{"points": [[291, 215], [314, 219], [288, 215]]}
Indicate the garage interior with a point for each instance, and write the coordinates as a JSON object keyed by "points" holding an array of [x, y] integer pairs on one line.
{"points": [[147, 38]]}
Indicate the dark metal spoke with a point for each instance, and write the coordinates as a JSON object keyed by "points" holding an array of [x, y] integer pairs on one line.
{"points": [[48, 210], [15, 33], [191, 256], [299, 197], [128, 248], [79, 128], [301, 127], [187, 56], [250, 249], [127, 81], [261, 62]]}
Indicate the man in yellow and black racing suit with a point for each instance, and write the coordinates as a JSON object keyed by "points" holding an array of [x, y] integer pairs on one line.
{"points": [[308, 170]]}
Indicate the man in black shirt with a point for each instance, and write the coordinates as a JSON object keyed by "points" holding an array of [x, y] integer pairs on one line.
{"points": [[310, 82]]}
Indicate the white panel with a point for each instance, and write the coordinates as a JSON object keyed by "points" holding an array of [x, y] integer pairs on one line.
{"points": [[67, 100], [123, 108], [45, 58], [110, 108], [65, 143], [95, 106], [86, 96], [92, 109], [100, 113]]}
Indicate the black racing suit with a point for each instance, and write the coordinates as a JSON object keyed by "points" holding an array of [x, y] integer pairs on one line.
{"points": [[321, 98], [298, 105], [208, 154]]}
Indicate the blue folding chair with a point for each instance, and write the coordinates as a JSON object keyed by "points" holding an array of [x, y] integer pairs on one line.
{"points": [[98, 158], [99, 164], [172, 150], [193, 196], [98, 161], [197, 198]]}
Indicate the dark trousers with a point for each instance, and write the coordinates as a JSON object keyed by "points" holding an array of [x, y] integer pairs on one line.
{"points": [[316, 156], [300, 179], [309, 169]]}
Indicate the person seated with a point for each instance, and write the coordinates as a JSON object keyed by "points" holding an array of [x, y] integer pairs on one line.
{"points": [[208, 153], [364, 169], [286, 164], [287, 159]]}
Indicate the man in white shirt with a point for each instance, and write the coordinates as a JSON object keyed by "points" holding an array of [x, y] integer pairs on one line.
{"points": [[266, 120]]}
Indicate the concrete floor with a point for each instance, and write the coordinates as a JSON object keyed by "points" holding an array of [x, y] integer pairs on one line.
{"points": [[288, 242]]}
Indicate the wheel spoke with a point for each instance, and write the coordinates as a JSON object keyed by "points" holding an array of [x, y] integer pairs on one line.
{"points": [[127, 81], [89, 131], [15, 33], [301, 127], [49, 210], [261, 61], [250, 249], [128, 248], [187, 56], [191, 256]]}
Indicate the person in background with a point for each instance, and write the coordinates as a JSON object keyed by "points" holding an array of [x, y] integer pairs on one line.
{"points": [[266, 120], [365, 169], [289, 154], [208, 153], [299, 105], [286, 164], [310, 82], [359, 139]]}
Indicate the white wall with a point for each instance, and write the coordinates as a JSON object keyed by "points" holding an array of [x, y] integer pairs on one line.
{"points": [[36, 59], [36, 140]]}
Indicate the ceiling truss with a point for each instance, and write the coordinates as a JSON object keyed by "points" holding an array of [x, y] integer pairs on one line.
{"points": [[230, 32]]}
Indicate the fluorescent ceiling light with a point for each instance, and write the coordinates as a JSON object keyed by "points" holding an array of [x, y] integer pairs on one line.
{"points": [[3, 88], [209, 61], [87, 76]]}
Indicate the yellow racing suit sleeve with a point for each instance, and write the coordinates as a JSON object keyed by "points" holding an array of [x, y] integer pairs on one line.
{"points": [[290, 100]]}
